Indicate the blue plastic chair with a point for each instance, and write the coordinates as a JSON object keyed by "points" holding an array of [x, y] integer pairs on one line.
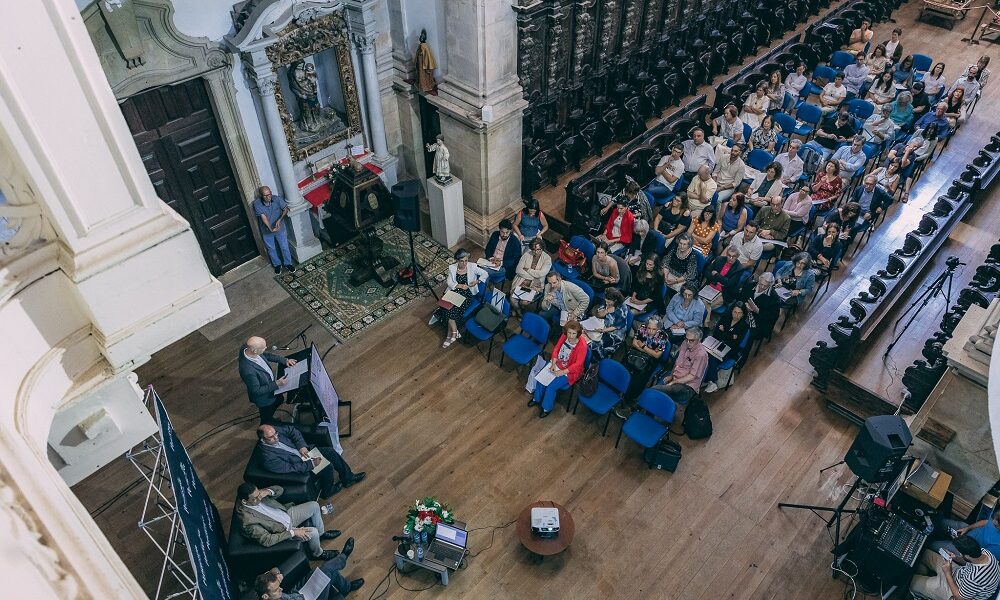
{"points": [[701, 259], [481, 334], [840, 59], [861, 109], [526, 346], [824, 75], [476, 301], [747, 132], [785, 122], [645, 425], [659, 241], [586, 365], [809, 114], [586, 290], [612, 382], [759, 159], [582, 244], [921, 64], [670, 196], [731, 360]]}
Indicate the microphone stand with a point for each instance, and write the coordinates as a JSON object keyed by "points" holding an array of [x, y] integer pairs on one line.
{"points": [[298, 336]]}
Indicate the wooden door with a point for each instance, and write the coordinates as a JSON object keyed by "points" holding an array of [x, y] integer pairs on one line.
{"points": [[177, 136]]}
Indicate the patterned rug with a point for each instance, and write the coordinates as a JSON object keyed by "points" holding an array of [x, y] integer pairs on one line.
{"points": [[347, 310]]}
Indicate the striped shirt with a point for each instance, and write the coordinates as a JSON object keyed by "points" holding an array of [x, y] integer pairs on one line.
{"points": [[978, 581]]}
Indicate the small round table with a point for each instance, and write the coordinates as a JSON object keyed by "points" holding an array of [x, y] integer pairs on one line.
{"points": [[545, 546]]}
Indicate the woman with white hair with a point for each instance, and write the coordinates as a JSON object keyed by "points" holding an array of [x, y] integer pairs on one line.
{"points": [[465, 279], [796, 277], [763, 305]]}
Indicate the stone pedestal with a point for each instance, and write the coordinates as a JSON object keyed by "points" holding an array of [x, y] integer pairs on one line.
{"points": [[302, 241], [447, 212]]}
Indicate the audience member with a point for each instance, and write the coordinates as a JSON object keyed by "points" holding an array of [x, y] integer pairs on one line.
{"points": [[856, 74], [833, 94], [887, 177], [685, 309], [530, 274], [826, 188], [728, 173], [985, 531], [873, 202], [463, 278], [968, 82], [646, 284], [768, 184], [749, 245], [894, 49], [701, 190], [734, 216], [763, 304], [668, 171], [643, 356], [834, 132], [845, 216], [268, 585], [878, 127], [902, 73], [728, 125], [603, 269], [775, 90], [850, 158], [703, 230], [685, 379], [798, 205], [755, 106], [562, 296], [972, 573], [883, 91], [956, 107], [615, 316], [284, 450], [502, 250], [680, 263], [796, 276], [566, 365], [921, 101], [765, 136], [860, 38], [264, 520], [723, 275], [673, 219], [878, 61], [982, 70], [938, 118], [796, 81], [773, 223], [530, 223], [730, 330], [258, 377], [935, 82], [906, 153], [620, 224], [790, 163], [697, 153], [827, 248]]}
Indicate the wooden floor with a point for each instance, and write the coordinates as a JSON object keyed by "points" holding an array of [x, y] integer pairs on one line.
{"points": [[428, 421]]}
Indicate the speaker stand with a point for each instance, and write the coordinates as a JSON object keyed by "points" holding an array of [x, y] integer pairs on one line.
{"points": [[838, 512], [418, 277]]}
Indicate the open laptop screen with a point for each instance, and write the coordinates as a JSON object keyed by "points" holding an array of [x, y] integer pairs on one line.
{"points": [[451, 534]]}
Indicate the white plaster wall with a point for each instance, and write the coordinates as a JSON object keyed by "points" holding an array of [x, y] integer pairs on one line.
{"points": [[993, 391], [408, 17]]}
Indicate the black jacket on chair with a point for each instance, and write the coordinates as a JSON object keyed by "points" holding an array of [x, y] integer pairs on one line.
{"points": [[260, 384], [511, 254]]}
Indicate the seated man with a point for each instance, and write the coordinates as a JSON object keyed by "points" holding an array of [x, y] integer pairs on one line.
{"points": [[873, 201], [936, 116], [268, 585], [984, 531], [668, 171], [832, 133], [833, 94], [502, 254], [773, 222], [791, 163], [284, 450], [728, 173], [700, 191], [684, 381], [879, 127], [972, 574], [267, 522], [749, 244], [850, 158], [697, 153], [559, 296]]}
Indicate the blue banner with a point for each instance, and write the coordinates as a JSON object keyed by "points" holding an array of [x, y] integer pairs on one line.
{"points": [[199, 518]]}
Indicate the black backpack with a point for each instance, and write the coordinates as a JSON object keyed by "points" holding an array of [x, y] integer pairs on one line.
{"points": [[697, 420]]}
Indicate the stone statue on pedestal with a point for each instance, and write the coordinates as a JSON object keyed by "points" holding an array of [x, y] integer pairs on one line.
{"points": [[425, 64], [442, 170], [306, 90]]}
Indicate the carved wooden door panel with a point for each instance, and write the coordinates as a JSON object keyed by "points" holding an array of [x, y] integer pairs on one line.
{"points": [[175, 131]]}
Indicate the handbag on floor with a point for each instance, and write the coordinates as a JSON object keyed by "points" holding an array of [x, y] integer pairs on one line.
{"points": [[664, 456]]}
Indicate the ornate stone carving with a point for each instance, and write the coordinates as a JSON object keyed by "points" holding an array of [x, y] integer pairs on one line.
{"points": [[23, 223], [609, 31], [365, 43], [583, 40], [266, 85], [630, 29]]}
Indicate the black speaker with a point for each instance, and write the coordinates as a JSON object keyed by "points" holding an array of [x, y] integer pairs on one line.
{"points": [[877, 451], [406, 205]]}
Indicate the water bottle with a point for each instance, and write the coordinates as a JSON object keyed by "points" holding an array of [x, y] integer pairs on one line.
{"points": [[420, 553], [423, 536]]}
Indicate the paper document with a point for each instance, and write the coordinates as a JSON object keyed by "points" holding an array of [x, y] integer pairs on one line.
{"points": [[615, 247], [593, 323], [635, 305], [715, 347], [292, 375], [545, 376], [783, 293], [487, 264], [777, 243], [525, 295], [317, 582], [323, 462], [677, 331], [563, 317], [454, 298], [709, 293]]}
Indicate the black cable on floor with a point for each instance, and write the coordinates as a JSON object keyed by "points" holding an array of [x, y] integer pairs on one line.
{"points": [[492, 535]]}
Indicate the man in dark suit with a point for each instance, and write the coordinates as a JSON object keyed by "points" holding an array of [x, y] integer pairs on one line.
{"points": [[258, 377], [504, 249], [873, 201], [282, 450]]}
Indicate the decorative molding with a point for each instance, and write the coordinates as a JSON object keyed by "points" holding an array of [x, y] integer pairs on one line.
{"points": [[22, 211], [365, 43]]}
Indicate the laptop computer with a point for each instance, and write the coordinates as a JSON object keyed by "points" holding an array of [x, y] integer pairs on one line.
{"points": [[449, 546], [923, 476]]}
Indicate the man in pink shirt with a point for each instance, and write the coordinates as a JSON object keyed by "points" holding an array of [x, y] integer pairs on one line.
{"points": [[685, 380]]}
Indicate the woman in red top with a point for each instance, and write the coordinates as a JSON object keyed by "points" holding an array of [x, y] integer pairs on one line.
{"points": [[566, 365], [618, 229], [826, 187]]}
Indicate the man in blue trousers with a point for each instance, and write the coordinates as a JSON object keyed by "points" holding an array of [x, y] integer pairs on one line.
{"points": [[271, 210]]}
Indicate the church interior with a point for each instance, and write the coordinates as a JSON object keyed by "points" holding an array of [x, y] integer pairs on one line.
{"points": [[235, 233]]}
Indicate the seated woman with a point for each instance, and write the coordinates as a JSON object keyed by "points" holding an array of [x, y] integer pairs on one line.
{"points": [[903, 72], [825, 249], [680, 263], [878, 62], [755, 106], [826, 189], [646, 285], [685, 310], [615, 315], [765, 136], [620, 225], [603, 269], [730, 330], [910, 154], [796, 276], [643, 357], [955, 109], [935, 82], [775, 91], [763, 305], [798, 205], [902, 110], [566, 365], [723, 275], [729, 125], [464, 278], [530, 274], [703, 230], [734, 216], [887, 176], [883, 91], [845, 217], [530, 222], [766, 185], [673, 219]]}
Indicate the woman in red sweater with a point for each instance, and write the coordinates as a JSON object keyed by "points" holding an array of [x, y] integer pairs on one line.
{"points": [[618, 229], [566, 365]]}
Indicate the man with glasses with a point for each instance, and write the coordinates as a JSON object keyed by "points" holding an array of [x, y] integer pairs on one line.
{"points": [[284, 450]]}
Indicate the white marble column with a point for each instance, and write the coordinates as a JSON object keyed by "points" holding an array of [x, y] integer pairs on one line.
{"points": [[376, 124], [301, 240]]}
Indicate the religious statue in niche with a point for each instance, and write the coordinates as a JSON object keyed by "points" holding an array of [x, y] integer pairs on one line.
{"points": [[442, 170], [304, 86], [425, 64]]}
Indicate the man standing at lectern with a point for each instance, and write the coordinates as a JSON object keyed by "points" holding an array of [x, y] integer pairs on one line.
{"points": [[259, 378]]}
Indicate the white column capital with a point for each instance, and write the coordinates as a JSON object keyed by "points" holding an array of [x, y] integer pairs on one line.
{"points": [[365, 42]]}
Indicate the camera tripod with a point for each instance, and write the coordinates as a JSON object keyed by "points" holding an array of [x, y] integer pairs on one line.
{"points": [[931, 292], [416, 273]]}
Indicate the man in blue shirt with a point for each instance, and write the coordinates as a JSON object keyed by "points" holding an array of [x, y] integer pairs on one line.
{"points": [[986, 532], [271, 211], [850, 158], [938, 117], [873, 201]]}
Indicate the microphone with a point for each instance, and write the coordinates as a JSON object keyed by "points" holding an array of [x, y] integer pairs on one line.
{"points": [[400, 538], [279, 347]]}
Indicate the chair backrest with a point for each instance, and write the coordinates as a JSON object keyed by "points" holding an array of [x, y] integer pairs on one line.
{"points": [[785, 122], [824, 74], [749, 210], [861, 109], [809, 113], [840, 59], [658, 404], [812, 158], [659, 241], [586, 290], [747, 131], [922, 62], [624, 275], [787, 102], [536, 328], [759, 159], [700, 259], [614, 375], [583, 245]]}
